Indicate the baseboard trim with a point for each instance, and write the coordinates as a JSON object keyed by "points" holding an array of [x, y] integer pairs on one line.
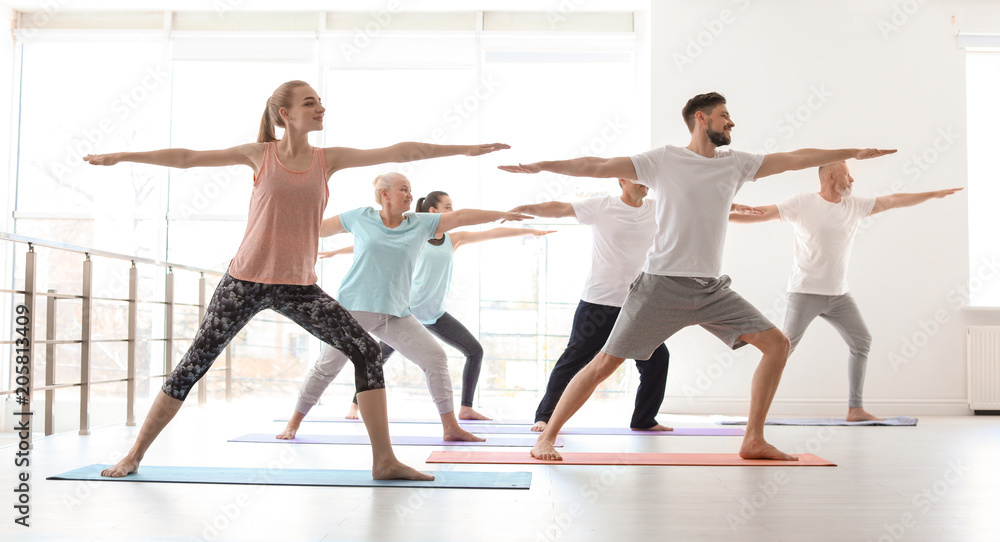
{"points": [[739, 406]]}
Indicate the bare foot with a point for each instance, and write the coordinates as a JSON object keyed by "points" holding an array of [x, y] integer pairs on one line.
{"points": [[394, 470], [458, 433], [126, 466], [289, 432], [466, 413], [657, 427], [539, 426], [545, 450], [861, 415], [353, 413], [754, 448]]}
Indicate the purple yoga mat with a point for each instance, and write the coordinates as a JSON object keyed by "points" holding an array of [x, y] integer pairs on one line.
{"points": [[483, 430], [341, 419], [395, 439]]}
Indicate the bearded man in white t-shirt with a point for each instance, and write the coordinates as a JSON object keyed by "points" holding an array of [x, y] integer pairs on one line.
{"points": [[825, 226], [682, 284]]}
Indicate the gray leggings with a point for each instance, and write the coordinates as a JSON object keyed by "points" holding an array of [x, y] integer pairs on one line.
{"points": [[454, 334], [408, 336], [843, 314]]}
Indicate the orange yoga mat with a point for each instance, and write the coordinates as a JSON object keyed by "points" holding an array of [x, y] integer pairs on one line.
{"points": [[613, 458]]}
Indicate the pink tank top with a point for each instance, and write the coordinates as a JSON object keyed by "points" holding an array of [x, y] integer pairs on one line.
{"points": [[286, 210]]}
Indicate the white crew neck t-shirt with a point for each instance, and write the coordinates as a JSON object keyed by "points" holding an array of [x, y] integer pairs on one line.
{"points": [[824, 235], [693, 197], [622, 235]]}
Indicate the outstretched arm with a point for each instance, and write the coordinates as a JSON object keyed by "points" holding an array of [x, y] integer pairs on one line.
{"points": [[588, 166], [549, 209], [806, 158], [338, 158], [249, 154], [331, 226], [741, 214], [894, 201], [471, 217], [468, 237], [338, 252]]}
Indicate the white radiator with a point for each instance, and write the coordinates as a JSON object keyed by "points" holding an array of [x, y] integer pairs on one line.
{"points": [[984, 367]]}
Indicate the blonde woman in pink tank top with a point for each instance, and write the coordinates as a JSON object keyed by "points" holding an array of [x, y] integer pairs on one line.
{"points": [[274, 265]]}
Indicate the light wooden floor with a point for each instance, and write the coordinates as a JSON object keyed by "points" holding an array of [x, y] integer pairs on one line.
{"points": [[939, 481]]}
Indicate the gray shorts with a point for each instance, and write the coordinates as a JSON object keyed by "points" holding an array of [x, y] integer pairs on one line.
{"points": [[658, 306]]}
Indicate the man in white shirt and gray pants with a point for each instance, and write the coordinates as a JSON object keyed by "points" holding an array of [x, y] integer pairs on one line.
{"points": [[681, 284], [825, 226]]}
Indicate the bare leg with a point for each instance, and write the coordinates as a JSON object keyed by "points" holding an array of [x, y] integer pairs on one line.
{"points": [[859, 414], [657, 427], [385, 466], [352, 414], [163, 410], [775, 347], [539, 426], [292, 427], [577, 392], [453, 431], [466, 413]]}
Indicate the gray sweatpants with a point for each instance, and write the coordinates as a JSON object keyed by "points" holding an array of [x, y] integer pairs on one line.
{"points": [[407, 336], [843, 314]]}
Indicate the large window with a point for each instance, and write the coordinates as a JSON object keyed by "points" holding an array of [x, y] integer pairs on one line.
{"points": [[548, 93], [983, 84]]}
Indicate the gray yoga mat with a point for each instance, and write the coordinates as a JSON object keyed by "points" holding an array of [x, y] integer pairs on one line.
{"points": [[485, 430], [527, 441], [898, 420], [301, 477]]}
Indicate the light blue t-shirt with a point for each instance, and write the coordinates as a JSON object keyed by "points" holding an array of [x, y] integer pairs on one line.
{"points": [[380, 277], [431, 281]]}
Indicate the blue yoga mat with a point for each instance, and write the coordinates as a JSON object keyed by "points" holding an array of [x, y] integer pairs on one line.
{"points": [[301, 477], [898, 420], [397, 440]]}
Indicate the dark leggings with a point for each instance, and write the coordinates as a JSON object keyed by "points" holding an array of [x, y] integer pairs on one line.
{"points": [[592, 324], [456, 335], [236, 301]]}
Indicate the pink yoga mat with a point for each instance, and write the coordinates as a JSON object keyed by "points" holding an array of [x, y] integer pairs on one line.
{"points": [[341, 419], [401, 440], [604, 458]]}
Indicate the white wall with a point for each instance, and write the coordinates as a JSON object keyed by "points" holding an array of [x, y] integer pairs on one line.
{"points": [[858, 73]]}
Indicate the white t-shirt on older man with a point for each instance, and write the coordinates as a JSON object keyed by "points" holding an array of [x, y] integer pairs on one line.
{"points": [[693, 197], [824, 235], [621, 236]]}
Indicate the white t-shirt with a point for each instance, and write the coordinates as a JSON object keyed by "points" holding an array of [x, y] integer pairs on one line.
{"points": [[824, 234], [622, 235], [693, 197]]}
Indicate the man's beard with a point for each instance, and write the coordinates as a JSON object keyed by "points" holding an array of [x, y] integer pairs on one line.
{"points": [[719, 139], [846, 191]]}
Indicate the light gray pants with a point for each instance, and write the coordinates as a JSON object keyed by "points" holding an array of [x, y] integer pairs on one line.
{"points": [[843, 314], [407, 336]]}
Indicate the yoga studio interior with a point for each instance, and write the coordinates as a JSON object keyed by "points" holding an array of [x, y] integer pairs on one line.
{"points": [[117, 260]]}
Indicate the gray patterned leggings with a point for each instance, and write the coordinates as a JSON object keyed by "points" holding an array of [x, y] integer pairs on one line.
{"points": [[236, 301]]}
